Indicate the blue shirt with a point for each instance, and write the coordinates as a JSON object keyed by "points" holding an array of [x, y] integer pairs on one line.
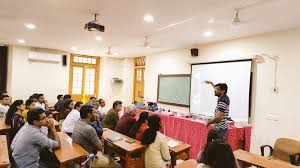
{"points": [[27, 146]]}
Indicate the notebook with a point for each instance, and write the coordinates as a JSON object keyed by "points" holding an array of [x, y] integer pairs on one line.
{"points": [[172, 143], [114, 138]]}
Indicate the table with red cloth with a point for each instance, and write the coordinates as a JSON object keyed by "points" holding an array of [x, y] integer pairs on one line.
{"points": [[195, 132]]}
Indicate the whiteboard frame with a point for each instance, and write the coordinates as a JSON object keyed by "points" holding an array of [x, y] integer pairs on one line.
{"points": [[229, 61], [172, 75]]}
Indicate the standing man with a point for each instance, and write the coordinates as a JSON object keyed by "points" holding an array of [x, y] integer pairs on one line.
{"points": [[222, 109]]}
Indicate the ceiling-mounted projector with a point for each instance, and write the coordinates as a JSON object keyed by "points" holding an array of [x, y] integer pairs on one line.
{"points": [[94, 25]]}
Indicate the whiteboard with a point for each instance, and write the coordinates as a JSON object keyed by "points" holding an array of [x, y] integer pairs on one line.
{"points": [[174, 89], [237, 77]]}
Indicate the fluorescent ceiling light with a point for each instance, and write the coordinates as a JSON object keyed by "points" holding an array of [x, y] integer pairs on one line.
{"points": [[30, 26], [148, 18], [74, 48], [99, 38], [208, 33], [22, 41]]}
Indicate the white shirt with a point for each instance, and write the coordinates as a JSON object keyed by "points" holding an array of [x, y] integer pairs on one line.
{"points": [[70, 121], [100, 111], [157, 153], [40, 105], [3, 110]]}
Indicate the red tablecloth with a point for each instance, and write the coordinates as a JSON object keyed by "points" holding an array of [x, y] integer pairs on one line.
{"points": [[195, 133]]}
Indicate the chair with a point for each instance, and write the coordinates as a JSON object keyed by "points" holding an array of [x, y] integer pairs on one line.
{"points": [[284, 149]]}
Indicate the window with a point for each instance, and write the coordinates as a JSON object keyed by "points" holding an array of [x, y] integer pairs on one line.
{"points": [[139, 69], [84, 75]]}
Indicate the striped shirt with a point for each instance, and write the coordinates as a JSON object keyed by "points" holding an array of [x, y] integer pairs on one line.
{"points": [[222, 106]]}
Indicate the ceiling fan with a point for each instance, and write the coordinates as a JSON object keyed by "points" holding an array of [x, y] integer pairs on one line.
{"points": [[245, 4], [147, 43], [109, 51]]}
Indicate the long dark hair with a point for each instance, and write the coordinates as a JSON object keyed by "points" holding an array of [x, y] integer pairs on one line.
{"points": [[219, 155], [149, 135], [211, 136], [135, 128], [11, 111]]}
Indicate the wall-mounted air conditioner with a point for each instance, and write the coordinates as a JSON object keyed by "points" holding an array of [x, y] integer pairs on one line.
{"points": [[116, 81], [44, 57]]}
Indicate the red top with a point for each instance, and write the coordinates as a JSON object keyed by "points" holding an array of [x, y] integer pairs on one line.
{"points": [[125, 123], [138, 135]]}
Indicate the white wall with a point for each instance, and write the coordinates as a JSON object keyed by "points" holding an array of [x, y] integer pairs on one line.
{"points": [[116, 68], [26, 77], [264, 102]]}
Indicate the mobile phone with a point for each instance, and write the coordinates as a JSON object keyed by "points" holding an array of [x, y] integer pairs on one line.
{"points": [[130, 141]]}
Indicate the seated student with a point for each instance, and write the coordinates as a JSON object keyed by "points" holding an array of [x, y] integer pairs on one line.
{"points": [[140, 126], [94, 103], [4, 105], [218, 154], [41, 102], [112, 117], [66, 108], [211, 136], [101, 106], [67, 97], [34, 97], [96, 123], [157, 150], [29, 141], [30, 105], [85, 135], [14, 118], [127, 121], [3, 92], [59, 105], [60, 97], [72, 118]]}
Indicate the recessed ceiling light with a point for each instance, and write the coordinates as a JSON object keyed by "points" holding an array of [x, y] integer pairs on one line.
{"points": [[99, 38], [148, 46], [22, 41], [211, 20], [74, 48], [30, 26], [208, 33], [148, 18]]}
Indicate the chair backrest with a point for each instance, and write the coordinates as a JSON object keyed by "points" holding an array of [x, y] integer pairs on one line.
{"points": [[285, 147]]}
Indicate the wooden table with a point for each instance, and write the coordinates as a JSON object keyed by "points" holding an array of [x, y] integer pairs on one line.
{"points": [[4, 128], [248, 158], [133, 155], [179, 152], [187, 164], [69, 151], [4, 159]]}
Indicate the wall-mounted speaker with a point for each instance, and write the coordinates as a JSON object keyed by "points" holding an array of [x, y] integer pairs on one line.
{"points": [[194, 52], [64, 60]]}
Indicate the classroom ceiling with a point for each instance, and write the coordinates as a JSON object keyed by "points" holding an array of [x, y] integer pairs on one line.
{"points": [[177, 23]]}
